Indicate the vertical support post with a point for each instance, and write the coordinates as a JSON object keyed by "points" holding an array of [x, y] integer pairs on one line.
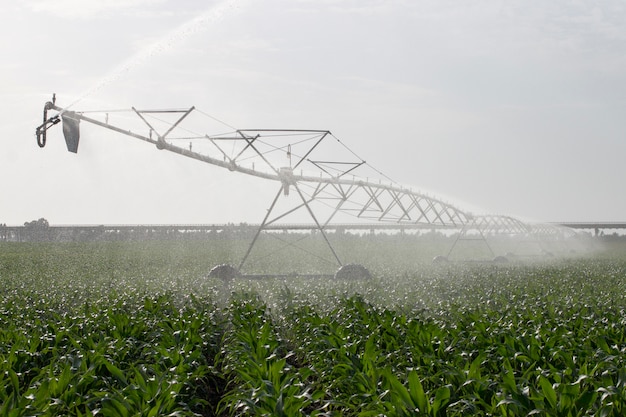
{"points": [[319, 227], [260, 229], [461, 233], [486, 242], [267, 216]]}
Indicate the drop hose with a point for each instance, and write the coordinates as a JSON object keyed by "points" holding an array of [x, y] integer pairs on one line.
{"points": [[41, 130]]}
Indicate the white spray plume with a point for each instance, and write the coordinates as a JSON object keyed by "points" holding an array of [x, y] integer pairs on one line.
{"points": [[211, 15]]}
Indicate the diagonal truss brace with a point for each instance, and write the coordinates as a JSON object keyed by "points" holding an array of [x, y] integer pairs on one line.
{"points": [[267, 222], [358, 197]]}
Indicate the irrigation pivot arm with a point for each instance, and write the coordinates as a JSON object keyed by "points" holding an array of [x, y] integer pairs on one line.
{"points": [[312, 162], [316, 173]]}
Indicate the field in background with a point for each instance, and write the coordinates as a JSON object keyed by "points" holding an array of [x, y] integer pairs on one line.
{"points": [[137, 328]]}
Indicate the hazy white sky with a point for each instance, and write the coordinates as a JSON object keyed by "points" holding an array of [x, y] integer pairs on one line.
{"points": [[512, 107]]}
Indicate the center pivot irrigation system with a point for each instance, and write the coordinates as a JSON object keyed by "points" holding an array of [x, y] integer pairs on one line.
{"points": [[316, 175]]}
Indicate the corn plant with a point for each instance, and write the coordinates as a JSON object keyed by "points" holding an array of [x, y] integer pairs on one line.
{"points": [[136, 328]]}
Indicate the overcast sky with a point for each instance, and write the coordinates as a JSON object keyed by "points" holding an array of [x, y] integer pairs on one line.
{"points": [[505, 107]]}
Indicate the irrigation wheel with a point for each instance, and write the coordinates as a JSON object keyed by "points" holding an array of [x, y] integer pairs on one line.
{"points": [[225, 272], [352, 272]]}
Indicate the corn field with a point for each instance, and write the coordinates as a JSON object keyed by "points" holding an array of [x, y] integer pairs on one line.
{"points": [[137, 329]]}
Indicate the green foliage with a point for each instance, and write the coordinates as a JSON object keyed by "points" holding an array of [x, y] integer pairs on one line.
{"points": [[136, 329]]}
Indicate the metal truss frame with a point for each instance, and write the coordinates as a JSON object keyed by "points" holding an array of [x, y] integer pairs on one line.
{"points": [[336, 187], [338, 184], [488, 226]]}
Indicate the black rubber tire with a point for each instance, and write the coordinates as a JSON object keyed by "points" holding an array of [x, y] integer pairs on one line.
{"points": [[352, 272], [440, 259], [225, 272]]}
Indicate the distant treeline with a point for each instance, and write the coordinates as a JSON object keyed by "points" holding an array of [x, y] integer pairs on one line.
{"points": [[41, 231]]}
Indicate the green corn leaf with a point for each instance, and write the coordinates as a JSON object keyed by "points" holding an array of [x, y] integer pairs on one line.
{"points": [[442, 397], [418, 396], [621, 378], [156, 409], [115, 371], [474, 370], [585, 401], [508, 380], [548, 391], [399, 390], [112, 407], [15, 383]]}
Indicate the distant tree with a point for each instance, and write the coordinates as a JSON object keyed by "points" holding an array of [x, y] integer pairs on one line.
{"points": [[37, 224], [37, 229]]}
